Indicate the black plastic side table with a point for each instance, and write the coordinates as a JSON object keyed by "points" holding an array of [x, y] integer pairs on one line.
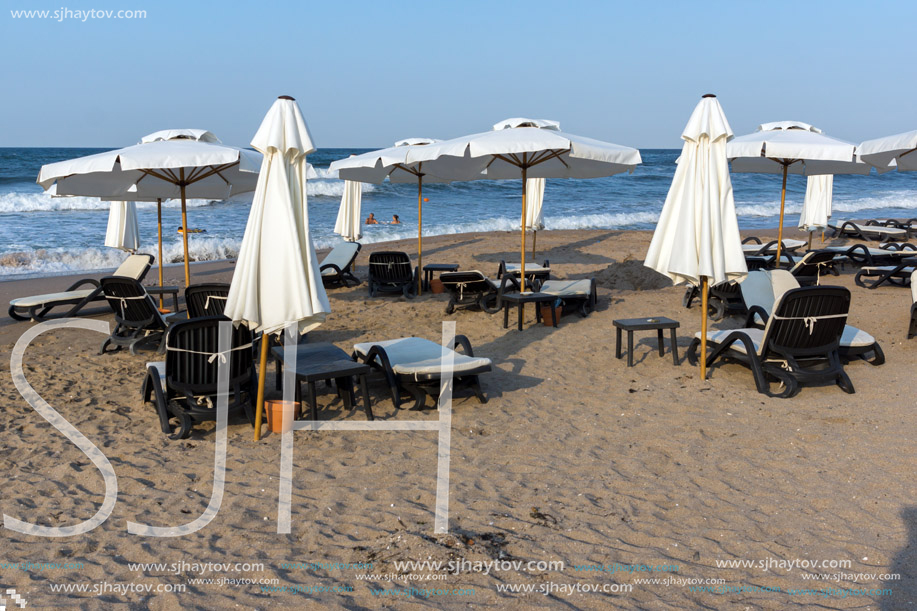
{"points": [[644, 324], [520, 299]]}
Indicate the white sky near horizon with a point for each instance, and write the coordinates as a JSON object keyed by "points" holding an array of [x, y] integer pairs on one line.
{"points": [[369, 73]]}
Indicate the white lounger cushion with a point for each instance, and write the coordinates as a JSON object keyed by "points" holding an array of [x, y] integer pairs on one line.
{"points": [[876, 252], [447, 280], [529, 267], [567, 288], [416, 356], [340, 255], [788, 244], [870, 228], [850, 338], [914, 286], [884, 269], [38, 300], [133, 267]]}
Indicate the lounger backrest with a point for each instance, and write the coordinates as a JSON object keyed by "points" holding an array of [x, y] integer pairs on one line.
{"points": [[390, 266], [811, 263], [135, 266], [764, 287], [191, 366], [342, 255], [471, 281], [206, 299], [806, 321], [131, 304]]}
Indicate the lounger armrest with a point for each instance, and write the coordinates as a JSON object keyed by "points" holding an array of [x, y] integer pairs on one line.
{"points": [[378, 356], [154, 379], [756, 311], [461, 340], [854, 254], [90, 281], [508, 279], [329, 266]]}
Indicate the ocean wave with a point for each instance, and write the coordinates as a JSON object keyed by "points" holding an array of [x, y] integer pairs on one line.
{"points": [[11, 203], [331, 188], [903, 200], [20, 202], [55, 261]]}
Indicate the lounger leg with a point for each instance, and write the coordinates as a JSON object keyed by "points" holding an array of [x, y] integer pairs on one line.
{"points": [[417, 394], [15, 315], [366, 405], [475, 383], [844, 382], [506, 315], [159, 401], [184, 429]]}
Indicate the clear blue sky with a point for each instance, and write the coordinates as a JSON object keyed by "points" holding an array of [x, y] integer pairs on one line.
{"points": [[367, 73]]}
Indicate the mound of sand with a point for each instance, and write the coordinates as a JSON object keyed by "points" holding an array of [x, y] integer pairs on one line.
{"points": [[631, 276]]}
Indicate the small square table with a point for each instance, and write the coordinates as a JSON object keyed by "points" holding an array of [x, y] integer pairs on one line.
{"points": [[644, 324], [436, 267], [158, 291], [323, 361], [520, 299]]}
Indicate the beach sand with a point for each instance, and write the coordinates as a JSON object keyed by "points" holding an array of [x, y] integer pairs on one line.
{"points": [[575, 458]]}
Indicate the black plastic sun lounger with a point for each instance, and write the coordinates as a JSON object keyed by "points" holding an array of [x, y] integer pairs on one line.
{"points": [[761, 290], [414, 365], [335, 267], [184, 386], [39, 306], [207, 299], [138, 320], [391, 272], [470, 289], [533, 271], [867, 232], [799, 343]]}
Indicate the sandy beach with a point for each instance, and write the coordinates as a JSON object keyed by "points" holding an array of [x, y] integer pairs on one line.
{"points": [[576, 458]]}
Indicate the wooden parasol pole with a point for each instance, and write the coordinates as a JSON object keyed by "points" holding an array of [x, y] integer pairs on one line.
{"points": [[703, 328], [810, 240], [262, 373], [522, 269], [534, 239], [184, 227], [159, 221], [419, 233], [782, 202]]}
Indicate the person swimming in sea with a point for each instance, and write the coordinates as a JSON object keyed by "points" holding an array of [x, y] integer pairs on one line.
{"points": [[371, 219], [395, 220]]}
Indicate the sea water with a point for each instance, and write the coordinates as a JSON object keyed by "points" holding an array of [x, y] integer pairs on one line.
{"points": [[41, 235]]}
